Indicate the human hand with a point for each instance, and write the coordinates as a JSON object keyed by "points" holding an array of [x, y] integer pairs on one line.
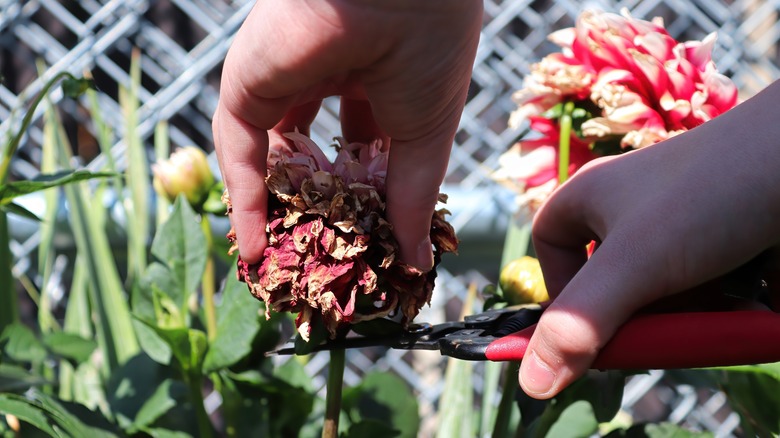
{"points": [[667, 218], [402, 69]]}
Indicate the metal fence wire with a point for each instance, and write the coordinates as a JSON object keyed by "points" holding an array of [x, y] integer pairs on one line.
{"points": [[183, 42]]}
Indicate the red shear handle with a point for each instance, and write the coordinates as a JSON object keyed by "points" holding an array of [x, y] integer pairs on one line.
{"points": [[674, 340]]}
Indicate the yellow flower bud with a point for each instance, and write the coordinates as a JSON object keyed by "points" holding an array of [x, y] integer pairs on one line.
{"points": [[186, 172], [522, 282]]}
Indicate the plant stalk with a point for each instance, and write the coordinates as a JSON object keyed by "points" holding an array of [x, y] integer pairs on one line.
{"points": [[205, 429], [10, 148], [508, 391], [9, 308], [209, 309], [333, 397], [564, 142]]}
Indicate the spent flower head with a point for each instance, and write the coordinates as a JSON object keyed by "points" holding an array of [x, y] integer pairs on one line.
{"points": [[331, 255]]}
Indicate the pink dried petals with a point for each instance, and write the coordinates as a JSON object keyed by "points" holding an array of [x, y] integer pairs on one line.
{"points": [[331, 255]]}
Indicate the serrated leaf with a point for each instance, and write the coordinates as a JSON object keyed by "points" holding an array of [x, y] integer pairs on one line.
{"points": [[20, 211], [181, 246], [70, 346], [15, 189], [188, 346], [238, 322], [387, 399]]}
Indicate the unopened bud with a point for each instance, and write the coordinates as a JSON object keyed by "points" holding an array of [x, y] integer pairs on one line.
{"points": [[186, 172]]}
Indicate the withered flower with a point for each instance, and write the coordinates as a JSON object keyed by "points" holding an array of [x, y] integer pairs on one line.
{"points": [[331, 253]]}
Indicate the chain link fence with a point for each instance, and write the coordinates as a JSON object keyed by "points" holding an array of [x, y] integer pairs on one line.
{"points": [[182, 44]]}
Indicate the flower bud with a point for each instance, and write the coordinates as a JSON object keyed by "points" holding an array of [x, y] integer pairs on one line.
{"points": [[186, 172], [522, 282]]}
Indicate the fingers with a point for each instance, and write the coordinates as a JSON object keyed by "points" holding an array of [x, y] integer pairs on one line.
{"points": [[602, 295], [358, 123], [242, 150]]}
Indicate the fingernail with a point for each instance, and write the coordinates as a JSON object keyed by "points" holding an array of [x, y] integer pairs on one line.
{"points": [[538, 378], [425, 255]]}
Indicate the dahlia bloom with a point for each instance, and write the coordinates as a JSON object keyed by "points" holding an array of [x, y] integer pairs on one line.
{"points": [[631, 85], [645, 85], [331, 255]]}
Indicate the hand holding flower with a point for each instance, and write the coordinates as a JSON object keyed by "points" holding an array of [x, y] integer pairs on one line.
{"points": [[402, 69]]}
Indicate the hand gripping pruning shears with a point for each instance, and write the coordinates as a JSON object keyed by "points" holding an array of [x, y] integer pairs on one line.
{"points": [[646, 341]]}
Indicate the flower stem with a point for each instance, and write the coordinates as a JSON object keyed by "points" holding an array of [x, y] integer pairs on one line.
{"points": [[333, 398], [501, 428], [205, 429], [564, 142], [208, 281]]}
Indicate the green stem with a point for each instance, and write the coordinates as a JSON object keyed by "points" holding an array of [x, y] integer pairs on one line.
{"points": [[205, 429], [501, 429], [10, 148], [9, 308], [208, 282], [162, 149], [564, 142], [333, 398]]}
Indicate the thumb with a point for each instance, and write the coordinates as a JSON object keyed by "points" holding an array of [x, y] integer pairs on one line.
{"points": [[602, 295]]}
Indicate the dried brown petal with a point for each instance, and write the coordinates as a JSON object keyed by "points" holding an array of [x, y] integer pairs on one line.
{"points": [[331, 254]]}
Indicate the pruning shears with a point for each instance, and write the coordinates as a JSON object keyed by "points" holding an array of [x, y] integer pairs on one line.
{"points": [[647, 341]]}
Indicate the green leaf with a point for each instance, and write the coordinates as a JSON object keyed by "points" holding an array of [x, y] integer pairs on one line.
{"points": [[662, 430], [18, 379], [20, 343], [213, 203], [75, 87], [138, 181], [73, 419], [169, 394], [238, 322], [26, 412], [130, 386], [15, 189], [753, 391], [387, 399], [20, 211], [9, 308], [576, 421], [181, 246], [371, 428], [601, 390], [166, 433], [188, 346], [70, 346], [107, 299]]}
